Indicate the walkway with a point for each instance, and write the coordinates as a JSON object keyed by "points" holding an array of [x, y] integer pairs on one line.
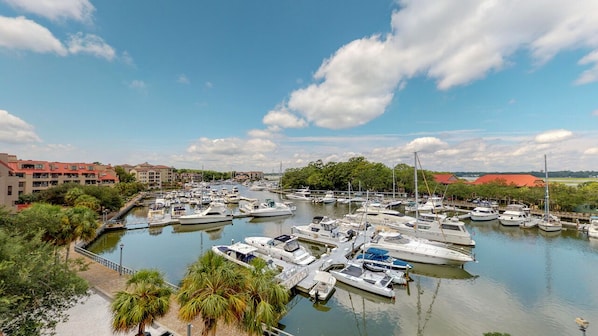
{"points": [[106, 283]]}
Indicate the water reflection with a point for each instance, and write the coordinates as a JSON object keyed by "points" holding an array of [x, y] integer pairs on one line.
{"points": [[525, 282]]}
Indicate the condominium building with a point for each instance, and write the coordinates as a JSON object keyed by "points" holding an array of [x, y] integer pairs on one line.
{"points": [[151, 175], [19, 177]]}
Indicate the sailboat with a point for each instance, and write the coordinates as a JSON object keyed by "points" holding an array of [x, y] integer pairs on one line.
{"points": [[549, 222]]}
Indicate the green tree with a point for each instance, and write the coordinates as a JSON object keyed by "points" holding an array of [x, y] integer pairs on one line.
{"points": [[35, 291], [89, 202], [80, 223], [72, 194], [123, 176], [146, 298], [213, 290]]}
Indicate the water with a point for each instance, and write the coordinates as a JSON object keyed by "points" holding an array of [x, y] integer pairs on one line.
{"points": [[526, 282]]}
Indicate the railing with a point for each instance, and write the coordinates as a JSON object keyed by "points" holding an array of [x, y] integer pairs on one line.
{"points": [[112, 265]]}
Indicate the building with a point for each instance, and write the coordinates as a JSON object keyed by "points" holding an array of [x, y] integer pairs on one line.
{"points": [[445, 178], [18, 177], [154, 177], [518, 180]]}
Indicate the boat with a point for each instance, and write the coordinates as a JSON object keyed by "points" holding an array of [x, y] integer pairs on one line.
{"points": [[483, 213], [378, 213], [157, 217], [328, 198], [324, 286], [302, 194], [177, 210], [418, 250], [284, 247], [548, 222], [268, 208], [436, 227], [514, 215], [374, 282], [376, 257], [325, 227], [432, 204], [232, 198], [215, 212], [593, 227], [239, 253]]}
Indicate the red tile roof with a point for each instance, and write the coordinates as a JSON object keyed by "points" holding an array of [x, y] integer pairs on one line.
{"points": [[51, 167], [445, 178], [520, 180]]}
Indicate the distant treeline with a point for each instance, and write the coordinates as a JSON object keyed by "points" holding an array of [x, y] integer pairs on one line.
{"points": [[562, 173]]}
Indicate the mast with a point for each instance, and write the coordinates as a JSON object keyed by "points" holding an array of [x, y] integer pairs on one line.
{"points": [[546, 196], [415, 179]]}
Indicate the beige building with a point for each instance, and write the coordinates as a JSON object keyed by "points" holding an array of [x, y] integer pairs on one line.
{"points": [[19, 177], [150, 175]]}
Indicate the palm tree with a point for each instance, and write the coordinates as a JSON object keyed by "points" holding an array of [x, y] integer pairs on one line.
{"points": [[266, 299], [147, 297], [78, 223], [213, 289]]}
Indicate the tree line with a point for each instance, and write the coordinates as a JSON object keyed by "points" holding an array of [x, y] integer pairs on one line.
{"points": [[358, 173]]}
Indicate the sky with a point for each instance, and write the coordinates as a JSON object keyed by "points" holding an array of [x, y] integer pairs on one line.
{"points": [[470, 85]]}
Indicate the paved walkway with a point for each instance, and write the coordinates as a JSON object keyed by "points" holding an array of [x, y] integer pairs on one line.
{"points": [[93, 317]]}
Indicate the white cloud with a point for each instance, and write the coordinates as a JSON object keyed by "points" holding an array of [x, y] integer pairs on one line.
{"points": [[283, 118], [183, 79], [13, 130], [21, 33], [454, 42], [231, 146], [90, 44], [553, 136], [137, 84], [595, 113], [79, 10], [209, 85], [127, 58], [590, 75]]}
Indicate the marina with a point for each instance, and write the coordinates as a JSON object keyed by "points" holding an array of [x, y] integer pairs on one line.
{"points": [[522, 282]]}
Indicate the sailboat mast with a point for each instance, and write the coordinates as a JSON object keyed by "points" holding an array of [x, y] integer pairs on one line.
{"points": [[415, 179], [546, 196]]}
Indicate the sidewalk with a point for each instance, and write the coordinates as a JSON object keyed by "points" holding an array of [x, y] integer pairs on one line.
{"points": [[94, 317]]}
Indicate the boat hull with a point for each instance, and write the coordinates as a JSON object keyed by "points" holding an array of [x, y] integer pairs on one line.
{"points": [[204, 219]]}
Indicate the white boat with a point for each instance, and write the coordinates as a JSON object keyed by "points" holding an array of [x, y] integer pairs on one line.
{"points": [[268, 208], [418, 250], [593, 227], [483, 213], [514, 215], [232, 198], [325, 227], [374, 282], [378, 213], [302, 194], [284, 247], [376, 257], [239, 253], [548, 222], [214, 213], [432, 204], [328, 198], [324, 286], [436, 227], [157, 217], [177, 210]]}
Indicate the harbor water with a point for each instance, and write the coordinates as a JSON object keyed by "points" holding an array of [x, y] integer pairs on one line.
{"points": [[524, 282]]}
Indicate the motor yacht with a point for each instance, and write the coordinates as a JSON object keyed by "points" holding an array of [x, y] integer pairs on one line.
{"points": [[284, 247], [215, 212]]}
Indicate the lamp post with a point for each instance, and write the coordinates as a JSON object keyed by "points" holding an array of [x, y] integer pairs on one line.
{"points": [[189, 325], [120, 264]]}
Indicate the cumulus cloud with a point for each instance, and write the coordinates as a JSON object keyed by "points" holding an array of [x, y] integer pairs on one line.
{"points": [[553, 136], [453, 42], [21, 33], [13, 130], [283, 118], [231, 146], [90, 44], [78, 10]]}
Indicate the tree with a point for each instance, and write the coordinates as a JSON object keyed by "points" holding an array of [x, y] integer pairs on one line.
{"points": [[212, 289], [123, 176], [266, 300], [146, 298], [80, 223], [72, 194], [35, 291]]}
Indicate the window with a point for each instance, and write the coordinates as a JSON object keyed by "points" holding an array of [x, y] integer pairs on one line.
{"points": [[9, 190]]}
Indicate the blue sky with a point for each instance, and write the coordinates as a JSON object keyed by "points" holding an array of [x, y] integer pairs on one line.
{"points": [[471, 85]]}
